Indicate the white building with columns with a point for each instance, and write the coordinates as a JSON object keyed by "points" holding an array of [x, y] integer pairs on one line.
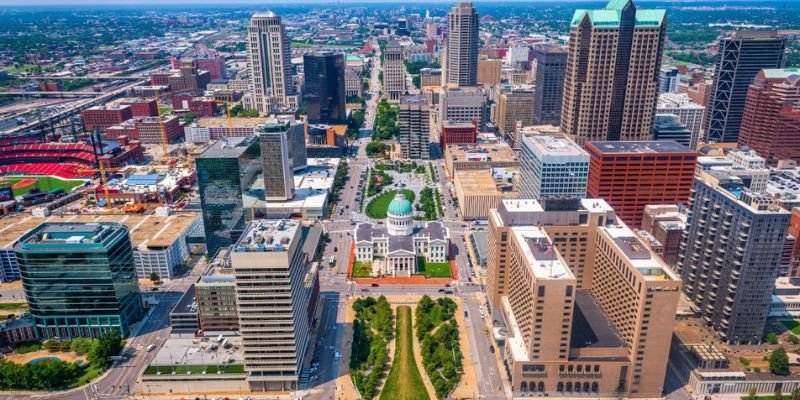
{"points": [[393, 247]]}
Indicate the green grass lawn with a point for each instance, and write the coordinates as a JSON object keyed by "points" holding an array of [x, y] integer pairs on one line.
{"points": [[22, 68], [13, 306], [45, 183], [377, 207], [792, 325], [404, 381], [90, 372], [195, 369], [433, 270], [362, 269]]}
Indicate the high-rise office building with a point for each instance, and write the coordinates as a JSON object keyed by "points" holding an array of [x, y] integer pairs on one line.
{"points": [[276, 294], [552, 167], [489, 71], [669, 127], [551, 65], [688, 112], [582, 298], [269, 57], [276, 161], [612, 77], [79, 279], [461, 53], [223, 171], [394, 71], [731, 255], [771, 120], [324, 93], [514, 107], [741, 56], [467, 104], [415, 128], [632, 175], [668, 80]]}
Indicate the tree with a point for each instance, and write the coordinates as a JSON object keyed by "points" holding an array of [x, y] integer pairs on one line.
{"points": [[154, 277], [771, 338], [779, 362], [778, 394], [108, 345], [793, 339], [189, 117], [751, 394]]}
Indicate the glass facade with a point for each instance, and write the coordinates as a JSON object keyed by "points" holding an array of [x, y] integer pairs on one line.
{"points": [[79, 279], [222, 172]]}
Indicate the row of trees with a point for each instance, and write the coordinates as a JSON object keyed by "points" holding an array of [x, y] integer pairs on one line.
{"points": [[427, 203], [413, 69], [437, 332], [386, 121], [373, 329], [338, 181]]}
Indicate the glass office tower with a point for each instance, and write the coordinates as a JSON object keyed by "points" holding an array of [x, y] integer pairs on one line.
{"points": [[223, 170], [79, 279]]}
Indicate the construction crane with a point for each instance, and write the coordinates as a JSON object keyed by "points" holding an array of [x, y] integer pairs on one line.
{"points": [[164, 138], [228, 113], [102, 170]]}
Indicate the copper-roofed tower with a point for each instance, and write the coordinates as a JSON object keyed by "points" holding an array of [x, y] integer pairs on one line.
{"points": [[612, 77]]}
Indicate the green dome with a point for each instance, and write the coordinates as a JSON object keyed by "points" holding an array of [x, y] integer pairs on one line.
{"points": [[400, 206]]}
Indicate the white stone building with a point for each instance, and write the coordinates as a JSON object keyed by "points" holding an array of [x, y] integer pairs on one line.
{"points": [[393, 248]]}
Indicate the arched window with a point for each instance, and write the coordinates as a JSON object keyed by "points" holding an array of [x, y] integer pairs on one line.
{"points": [[523, 387], [569, 386], [579, 368], [560, 387], [540, 387], [577, 387], [586, 387], [594, 387]]}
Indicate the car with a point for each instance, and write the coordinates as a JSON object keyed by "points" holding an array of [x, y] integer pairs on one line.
{"points": [[466, 314], [491, 349], [447, 285], [313, 369], [315, 364], [365, 290], [337, 355], [314, 377], [441, 290], [155, 289], [375, 285]]}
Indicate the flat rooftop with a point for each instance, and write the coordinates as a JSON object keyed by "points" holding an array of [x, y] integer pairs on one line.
{"points": [[222, 122], [230, 147], [651, 146], [554, 145], [71, 233], [195, 351], [646, 263], [476, 182], [591, 327], [542, 258], [145, 230], [267, 235], [481, 152]]}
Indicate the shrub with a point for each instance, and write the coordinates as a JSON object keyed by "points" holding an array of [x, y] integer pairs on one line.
{"points": [[779, 362]]}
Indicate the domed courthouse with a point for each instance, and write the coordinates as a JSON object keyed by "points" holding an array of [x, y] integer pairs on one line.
{"points": [[393, 247]]}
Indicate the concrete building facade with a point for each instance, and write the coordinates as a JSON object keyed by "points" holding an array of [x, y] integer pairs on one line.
{"points": [[461, 60], [269, 59], [415, 128], [552, 167]]}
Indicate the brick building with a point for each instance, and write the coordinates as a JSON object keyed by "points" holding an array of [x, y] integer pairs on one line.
{"points": [[102, 117]]}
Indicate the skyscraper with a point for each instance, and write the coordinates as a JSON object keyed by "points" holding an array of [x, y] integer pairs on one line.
{"points": [[461, 63], [731, 253], [514, 106], [552, 167], [276, 293], [269, 57], [741, 56], [276, 161], [394, 71], [324, 93], [79, 279], [612, 77], [771, 120], [551, 65], [224, 170], [415, 127]]}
